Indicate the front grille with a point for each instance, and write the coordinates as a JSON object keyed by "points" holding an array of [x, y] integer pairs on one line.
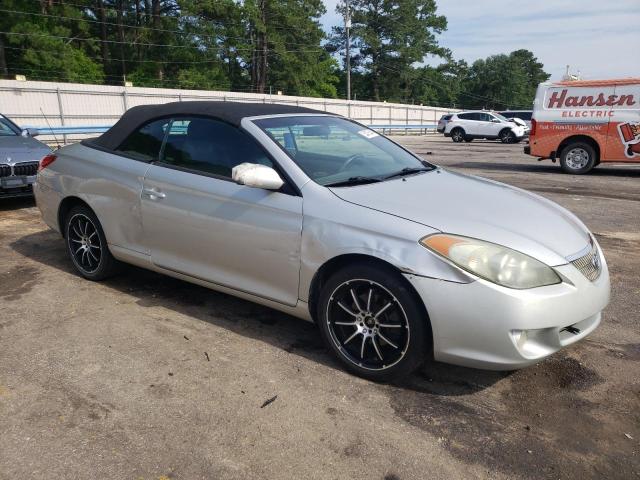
{"points": [[27, 169], [5, 170], [589, 265]]}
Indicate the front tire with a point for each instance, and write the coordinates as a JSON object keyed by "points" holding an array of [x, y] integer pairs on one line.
{"points": [[578, 158], [372, 321], [87, 245], [457, 135], [507, 136]]}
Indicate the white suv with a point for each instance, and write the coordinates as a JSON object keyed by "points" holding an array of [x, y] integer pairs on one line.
{"points": [[465, 126]]}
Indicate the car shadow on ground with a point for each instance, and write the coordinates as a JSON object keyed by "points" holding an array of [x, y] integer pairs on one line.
{"points": [[295, 336], [533, 420], [16, 203]]}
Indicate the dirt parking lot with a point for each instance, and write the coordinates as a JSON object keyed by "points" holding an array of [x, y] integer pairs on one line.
{"points": [[146, 377]]}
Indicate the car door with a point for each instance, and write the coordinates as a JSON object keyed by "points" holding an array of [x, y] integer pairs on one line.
{"points": [[200, 223], [116, 179], [468, 123], [487, 126]]}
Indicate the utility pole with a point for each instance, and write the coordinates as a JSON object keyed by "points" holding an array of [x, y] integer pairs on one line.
{"points": [[347, 26]]}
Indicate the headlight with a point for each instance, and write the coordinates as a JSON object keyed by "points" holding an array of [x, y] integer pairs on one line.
{"points": [[492, 262]]}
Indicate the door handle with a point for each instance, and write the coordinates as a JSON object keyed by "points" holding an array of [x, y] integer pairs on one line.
{"points": [[153, 194]]}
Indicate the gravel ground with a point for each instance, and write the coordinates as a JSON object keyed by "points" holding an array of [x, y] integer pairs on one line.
{"points": [[146, 377]]}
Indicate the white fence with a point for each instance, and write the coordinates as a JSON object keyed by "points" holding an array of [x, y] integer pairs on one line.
{"points": [[37, 104]]}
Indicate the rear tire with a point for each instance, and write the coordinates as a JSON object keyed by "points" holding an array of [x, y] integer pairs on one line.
{"points": [[457, 135], [87, 245], [372, 321], [578, 158]]}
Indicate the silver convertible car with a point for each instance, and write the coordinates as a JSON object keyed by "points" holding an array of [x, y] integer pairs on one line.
{"points": [[397, 261]]}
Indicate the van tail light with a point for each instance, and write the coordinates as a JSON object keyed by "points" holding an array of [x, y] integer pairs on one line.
{"points": [[533, 127], [46, 161]]}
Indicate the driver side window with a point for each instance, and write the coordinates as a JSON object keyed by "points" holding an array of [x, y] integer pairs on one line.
{"points": [[209, 146]]}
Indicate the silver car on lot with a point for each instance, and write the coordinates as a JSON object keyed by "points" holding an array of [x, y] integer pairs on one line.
{"points": [[397, 261], [19, 157], [442, 123]]}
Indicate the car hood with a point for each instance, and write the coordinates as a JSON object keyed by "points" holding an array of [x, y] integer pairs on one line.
{"points": [[478, 208], [513, 124], [17, 149]]}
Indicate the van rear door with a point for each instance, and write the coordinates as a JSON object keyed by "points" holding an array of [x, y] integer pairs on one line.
{"points": [[623, 136]]}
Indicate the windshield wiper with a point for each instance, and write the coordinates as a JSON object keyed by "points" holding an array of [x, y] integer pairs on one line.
{"points": [[408, 171], [354, 181]]}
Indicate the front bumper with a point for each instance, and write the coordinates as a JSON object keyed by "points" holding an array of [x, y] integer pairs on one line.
{"points": [[16, 186], [480, 324]]}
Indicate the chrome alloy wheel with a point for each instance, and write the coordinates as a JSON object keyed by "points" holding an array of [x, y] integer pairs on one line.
{"points": [[577, 158], [507, 136], [368, 324], [457, 136], [84, 243]]}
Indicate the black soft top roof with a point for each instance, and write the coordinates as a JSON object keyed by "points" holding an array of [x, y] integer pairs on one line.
{"points": [[230, 112]]}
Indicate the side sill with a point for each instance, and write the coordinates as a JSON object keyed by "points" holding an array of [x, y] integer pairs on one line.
{"points": [[299, 310]]}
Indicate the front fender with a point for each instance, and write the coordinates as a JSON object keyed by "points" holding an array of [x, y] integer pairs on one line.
{"points": [[333, 227]]}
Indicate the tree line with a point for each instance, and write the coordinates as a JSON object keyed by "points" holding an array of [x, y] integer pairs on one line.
{"points": [[258, 46]]}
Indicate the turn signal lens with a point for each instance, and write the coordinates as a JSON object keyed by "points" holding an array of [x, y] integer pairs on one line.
{"points": [[498, 264], [46, 161]]}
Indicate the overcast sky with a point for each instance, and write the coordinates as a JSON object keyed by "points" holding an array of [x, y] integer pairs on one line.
{"points": [[599, 38]]}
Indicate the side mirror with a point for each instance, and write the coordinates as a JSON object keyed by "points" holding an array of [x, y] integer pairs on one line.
{"points": [[30, 132], [257, 176]]}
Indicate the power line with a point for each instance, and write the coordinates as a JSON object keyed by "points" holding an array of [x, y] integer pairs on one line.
{"points": [[469, 95], [272, 52], [119, 42], [132, 60], [56, 52], [61, 37], [142, 27], [125, 11]]}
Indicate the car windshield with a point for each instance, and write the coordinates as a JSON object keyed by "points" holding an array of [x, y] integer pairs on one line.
{"points": [[501, 117], [7, 128], [334, 151]]}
